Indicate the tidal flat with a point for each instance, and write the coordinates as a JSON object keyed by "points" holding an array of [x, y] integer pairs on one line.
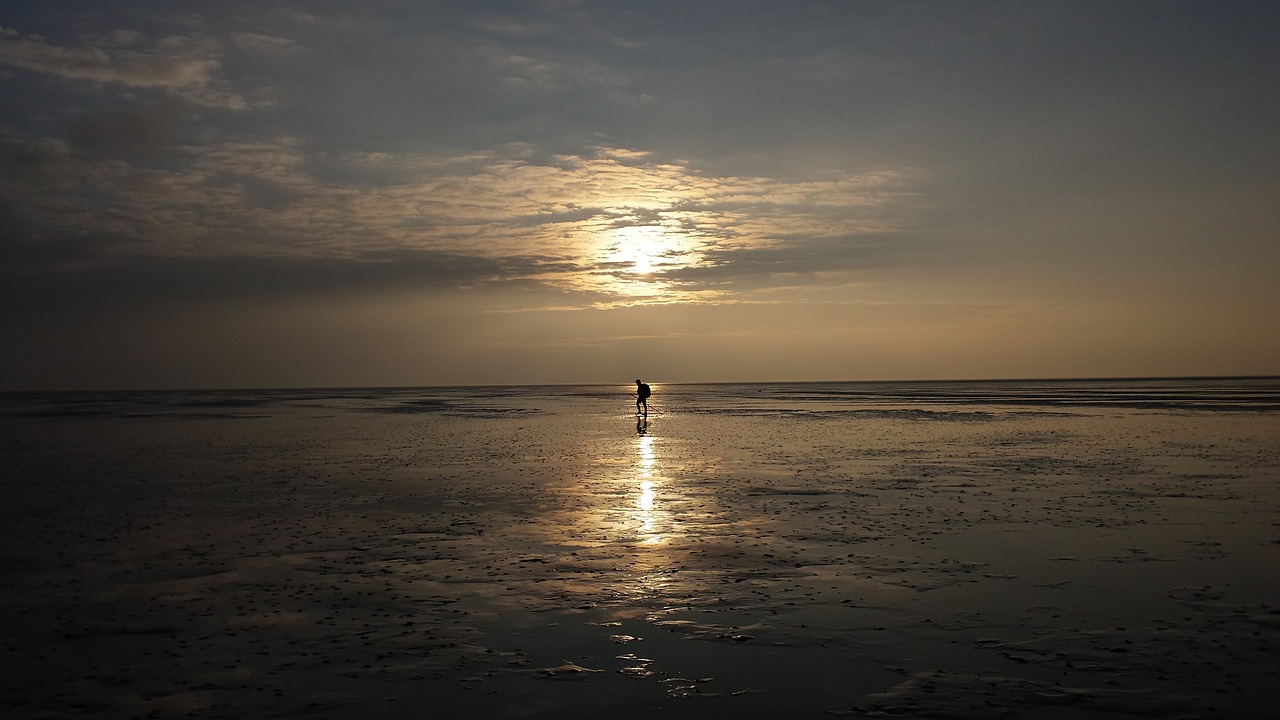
{"points": [[966, 550]]}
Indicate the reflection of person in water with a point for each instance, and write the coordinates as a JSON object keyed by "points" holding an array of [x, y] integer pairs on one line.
{"points": [[642, 397], [642, 424]]}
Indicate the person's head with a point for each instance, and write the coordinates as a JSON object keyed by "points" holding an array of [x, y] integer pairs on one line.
{"points": [[637, 381]]}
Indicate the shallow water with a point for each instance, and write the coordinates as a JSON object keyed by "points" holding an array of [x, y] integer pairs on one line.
{"points": [[1053, 549]]}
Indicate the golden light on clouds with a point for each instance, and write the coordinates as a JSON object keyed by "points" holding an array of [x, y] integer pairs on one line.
{"points": [[642, 243], [634, 259], [617, 224], [631, 227]]}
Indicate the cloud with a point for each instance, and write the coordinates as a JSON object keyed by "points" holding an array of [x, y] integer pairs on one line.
{"points": [[263, 44], [119, 133], [182, 65], [126, 67], [616, 223], [34, 157], [157, 281]]}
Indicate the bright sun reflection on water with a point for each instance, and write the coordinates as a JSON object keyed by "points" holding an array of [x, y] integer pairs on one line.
{"points": [[632, 515], [646, 513]]}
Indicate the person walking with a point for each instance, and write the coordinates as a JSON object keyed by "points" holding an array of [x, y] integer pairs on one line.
{"points": [[642, 397]]}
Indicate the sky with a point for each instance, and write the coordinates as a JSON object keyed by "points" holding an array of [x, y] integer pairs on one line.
{"points": [[293, 194]]}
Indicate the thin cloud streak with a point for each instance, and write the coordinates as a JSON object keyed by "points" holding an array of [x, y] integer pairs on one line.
{"points": [[186, 66]]}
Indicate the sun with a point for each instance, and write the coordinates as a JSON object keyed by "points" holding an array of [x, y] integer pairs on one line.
{"points": [[642, 245], [643, 265], [640, 257]]}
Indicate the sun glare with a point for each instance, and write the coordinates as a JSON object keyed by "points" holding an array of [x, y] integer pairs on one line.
{"points": [[636, 260], [642, 244]]}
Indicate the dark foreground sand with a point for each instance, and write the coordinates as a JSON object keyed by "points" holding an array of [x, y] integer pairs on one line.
{"points": [[336, 564]]}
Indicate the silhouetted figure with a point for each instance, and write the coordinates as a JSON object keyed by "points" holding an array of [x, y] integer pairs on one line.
{"points": [[642, 398]]}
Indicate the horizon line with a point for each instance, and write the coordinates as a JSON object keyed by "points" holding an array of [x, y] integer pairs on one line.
{"points": [[1111, 378]]}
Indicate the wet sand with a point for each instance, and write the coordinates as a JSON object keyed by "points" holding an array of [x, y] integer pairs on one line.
{"points": [[401, 561]]}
